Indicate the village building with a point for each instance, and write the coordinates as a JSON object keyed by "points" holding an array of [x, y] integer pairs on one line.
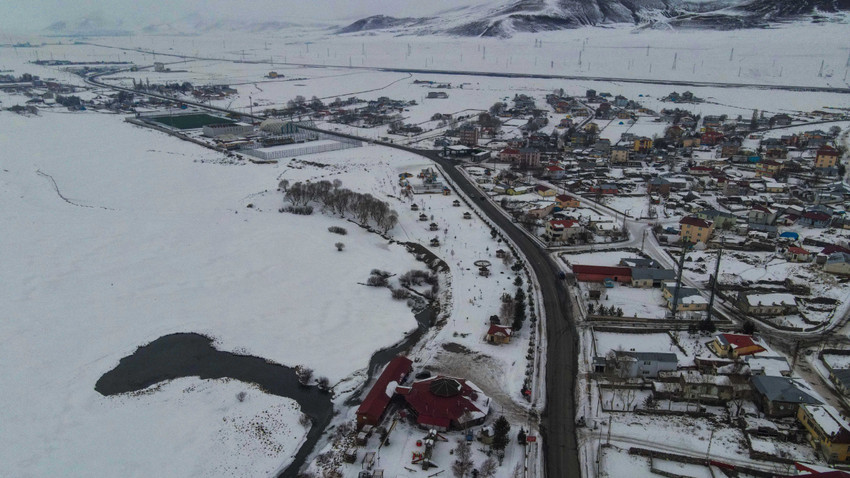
{"points": [[445, 403], [826, 159], [694, 229], [735, 345], [468, 135], [563, 201], [499, 334], [619, 154], [561, 230], [798, 254], [528, 158], [651, 277], [372, 410], [779, 396], [766, 304], [631, 364], [829, 432], [838, 263], [585, 273]]}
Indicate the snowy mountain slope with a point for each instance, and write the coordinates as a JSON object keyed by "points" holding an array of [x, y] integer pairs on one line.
{"points": [[502, 20]]}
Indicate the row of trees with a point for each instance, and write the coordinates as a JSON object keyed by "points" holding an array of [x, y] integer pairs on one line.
{"points": [[332, 196]]}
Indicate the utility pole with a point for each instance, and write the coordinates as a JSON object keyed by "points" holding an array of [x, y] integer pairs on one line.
{"points": [[714, 282], [679, 278]]}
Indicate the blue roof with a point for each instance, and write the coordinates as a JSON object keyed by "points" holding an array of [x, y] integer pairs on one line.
{"points": [[790, 234]]}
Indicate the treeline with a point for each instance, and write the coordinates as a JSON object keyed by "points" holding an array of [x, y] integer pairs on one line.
{"points": [[332, 196]]}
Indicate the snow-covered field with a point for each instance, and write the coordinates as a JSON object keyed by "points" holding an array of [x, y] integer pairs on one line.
{"points": [[153, 242]]}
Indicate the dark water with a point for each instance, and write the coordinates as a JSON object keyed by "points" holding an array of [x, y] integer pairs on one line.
{"points": [[193, 355]]}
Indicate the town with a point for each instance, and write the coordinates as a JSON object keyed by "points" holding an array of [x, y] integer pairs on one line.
{"points": [[701, 251]]}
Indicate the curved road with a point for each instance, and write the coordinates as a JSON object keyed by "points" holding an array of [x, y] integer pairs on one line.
{"points": [[558, 419]]}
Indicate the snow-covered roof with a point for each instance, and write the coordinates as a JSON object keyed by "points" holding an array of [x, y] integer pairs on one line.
{"points": [[771, 299], [827, 418]]}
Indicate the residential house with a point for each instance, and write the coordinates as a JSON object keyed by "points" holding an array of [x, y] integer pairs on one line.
{"points": [[561, 230], [768, 168], [499, 334], [719, 218], [711, 137], [766, 304], [735, 345], [838, 263], [688, 299], [709, 388], [605, 189], [840, 377], [781, 119], [691, 141], [659, 185], [545, 191], [826, 159], [798, 254], [829, 432], [780, 396], [619, 154], [768, 365], [509, 155], [554, 172], [693, 229], [761, 215], [468, 135], [563, 201], [642, 144], [816, 219], [529, 158], [633, 364], [645, 277]]}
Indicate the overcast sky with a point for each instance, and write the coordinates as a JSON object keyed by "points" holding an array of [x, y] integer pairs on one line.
{"points": [[35, 15]]}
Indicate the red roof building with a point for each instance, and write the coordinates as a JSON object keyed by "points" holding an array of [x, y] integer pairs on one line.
{"points": [[375, 404], [446, 403], [694, 221], [600, 273]]}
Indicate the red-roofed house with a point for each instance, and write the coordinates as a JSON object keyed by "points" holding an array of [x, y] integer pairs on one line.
{"points": [[735, 345], [798, 254], [600, 273], [554, 172], [693, 229], [445, 403], [499, 334], [375, 404], [564, 201], [561, 230], [509, 155]]}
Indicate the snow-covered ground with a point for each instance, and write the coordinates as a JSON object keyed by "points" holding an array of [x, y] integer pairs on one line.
{"points": [[153, 240]]}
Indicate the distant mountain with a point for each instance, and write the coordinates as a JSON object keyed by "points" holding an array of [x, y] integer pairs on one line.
{"points": [[378, 22], [508, 17], [86, 26]]}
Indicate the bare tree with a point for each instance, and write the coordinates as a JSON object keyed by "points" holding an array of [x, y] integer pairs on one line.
{"points": [[283, 185], [488, 468], [463, 464], [389, 222], [339, 246]]}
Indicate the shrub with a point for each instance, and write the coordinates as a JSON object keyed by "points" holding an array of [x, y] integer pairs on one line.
{"points": [[300, 210], [400, 294], [377, 281], [338, 230]]}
